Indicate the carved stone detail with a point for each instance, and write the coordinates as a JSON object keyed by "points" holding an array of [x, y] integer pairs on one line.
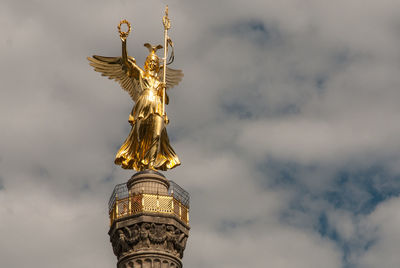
{"points": [[149, 261], [148, 236]]}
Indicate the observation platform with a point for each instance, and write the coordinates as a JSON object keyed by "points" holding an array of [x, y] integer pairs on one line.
{"points": [[135, 198]]}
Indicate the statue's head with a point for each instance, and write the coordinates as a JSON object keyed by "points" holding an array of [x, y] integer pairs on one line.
{"points": [[152, 63]]}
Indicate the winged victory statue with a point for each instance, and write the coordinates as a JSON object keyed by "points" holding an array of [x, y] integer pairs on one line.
{"points": [[147, 145]]}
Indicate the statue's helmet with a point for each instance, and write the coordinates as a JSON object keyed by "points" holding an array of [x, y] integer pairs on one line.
{"points": [[152, 62]]}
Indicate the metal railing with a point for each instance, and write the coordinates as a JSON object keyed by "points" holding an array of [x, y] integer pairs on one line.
{"points": [[179, 193], [122, 204]]}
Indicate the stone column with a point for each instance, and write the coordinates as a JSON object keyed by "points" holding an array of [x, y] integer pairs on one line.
{"points": [[149, 239]]}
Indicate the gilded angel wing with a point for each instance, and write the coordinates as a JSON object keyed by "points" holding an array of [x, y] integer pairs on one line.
{"points": [[114, 68], [173, 76]]}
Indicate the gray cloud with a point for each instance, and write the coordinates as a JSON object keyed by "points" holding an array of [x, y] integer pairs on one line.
{"points": [[286, 123]]}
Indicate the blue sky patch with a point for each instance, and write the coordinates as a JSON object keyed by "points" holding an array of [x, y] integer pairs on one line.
{"points": [[361, 191]]}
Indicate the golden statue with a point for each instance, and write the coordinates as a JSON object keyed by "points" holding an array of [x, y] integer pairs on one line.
{"points": [[147, 145]]}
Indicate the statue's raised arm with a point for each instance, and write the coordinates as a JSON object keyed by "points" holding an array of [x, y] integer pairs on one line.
{"points": [[122, 69], [129, 63]]}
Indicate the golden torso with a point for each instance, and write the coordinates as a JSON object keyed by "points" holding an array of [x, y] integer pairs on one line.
{"points": [[151, 86], [150, 101]]}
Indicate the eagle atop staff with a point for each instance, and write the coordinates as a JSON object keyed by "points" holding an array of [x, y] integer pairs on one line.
{"points": [[147, 145]]}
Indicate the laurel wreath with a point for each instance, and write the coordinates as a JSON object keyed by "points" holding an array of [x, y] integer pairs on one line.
{"points": [[121, 33]]}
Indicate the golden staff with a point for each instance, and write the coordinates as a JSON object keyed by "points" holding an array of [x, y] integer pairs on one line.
{"points": [[167, 25]]}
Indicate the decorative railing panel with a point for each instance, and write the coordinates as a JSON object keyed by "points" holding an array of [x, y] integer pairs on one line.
{"points": [[139, 203]]}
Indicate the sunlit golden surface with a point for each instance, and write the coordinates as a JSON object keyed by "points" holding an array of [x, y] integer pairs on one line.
{"points": [[139, 203], [147, 145]]}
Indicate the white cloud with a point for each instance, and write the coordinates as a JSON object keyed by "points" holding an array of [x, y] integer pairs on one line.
{"points": [[313, 83], [382, 226]]}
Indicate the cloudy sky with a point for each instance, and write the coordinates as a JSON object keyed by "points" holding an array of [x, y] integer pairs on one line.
{"points": [[286, 122]]}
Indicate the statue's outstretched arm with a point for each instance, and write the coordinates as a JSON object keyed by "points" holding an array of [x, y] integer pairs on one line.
{"points": [[124, 51], [129, 62]]}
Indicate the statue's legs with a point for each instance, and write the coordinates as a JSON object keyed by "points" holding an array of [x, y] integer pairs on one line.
{"points": [[147, 146], [157, 125]]}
